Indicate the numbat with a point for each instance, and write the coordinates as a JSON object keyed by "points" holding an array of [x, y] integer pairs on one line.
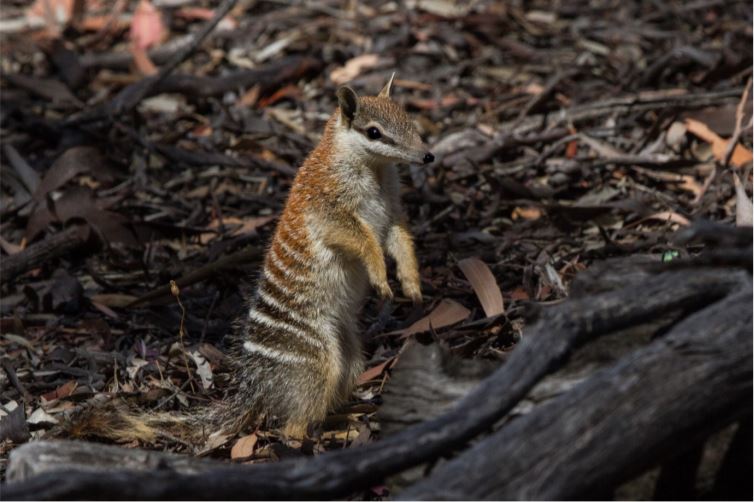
{"points": [[297, 351]]}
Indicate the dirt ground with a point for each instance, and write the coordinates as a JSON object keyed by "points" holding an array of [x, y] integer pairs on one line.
{"points": [[564, 133]]}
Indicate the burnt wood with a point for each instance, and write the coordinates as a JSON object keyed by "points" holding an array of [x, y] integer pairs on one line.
{"points": [[545, 347]]}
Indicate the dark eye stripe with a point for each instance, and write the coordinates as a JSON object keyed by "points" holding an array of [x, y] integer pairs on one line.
{"points": [[384, 139]]}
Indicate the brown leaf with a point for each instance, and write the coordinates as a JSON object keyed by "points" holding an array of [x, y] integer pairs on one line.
{"points": [[9, 247], [289, 91], [354, 67], [142, 62], [373, 372], [526, 213], [48, 88], [78, 203], [485, 286], [519, 294], [61, 392], [670, 216], [741, 154], [74, 161], [113, 299], [244, 447], [448, 312]]}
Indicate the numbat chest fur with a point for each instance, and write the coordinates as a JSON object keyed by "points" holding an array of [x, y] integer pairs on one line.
{"points": [[298, 351]]}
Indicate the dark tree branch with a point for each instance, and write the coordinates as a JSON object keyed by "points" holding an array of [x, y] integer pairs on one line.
{"points": [[52, 247], [546, 345], [623, 420]]}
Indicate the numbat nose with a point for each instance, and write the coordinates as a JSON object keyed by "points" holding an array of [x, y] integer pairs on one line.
{"points": [[428, 157]]}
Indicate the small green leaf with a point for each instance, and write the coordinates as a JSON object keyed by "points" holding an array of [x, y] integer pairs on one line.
{"points": [[670, 255]]}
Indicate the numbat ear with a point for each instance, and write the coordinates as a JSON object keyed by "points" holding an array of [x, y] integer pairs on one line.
{"points": [[348, 102], [385, 92]]}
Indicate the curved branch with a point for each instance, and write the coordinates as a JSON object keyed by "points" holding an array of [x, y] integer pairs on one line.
{"points": [[547, 344]]}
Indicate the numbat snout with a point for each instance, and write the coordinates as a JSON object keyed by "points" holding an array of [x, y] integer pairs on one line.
{"points": [[298, 350]]}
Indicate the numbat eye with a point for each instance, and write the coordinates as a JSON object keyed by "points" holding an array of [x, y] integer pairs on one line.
{"points": [[374, 133]]}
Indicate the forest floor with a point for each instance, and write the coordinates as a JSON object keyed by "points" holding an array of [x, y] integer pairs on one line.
{"points": [[563, 136]]}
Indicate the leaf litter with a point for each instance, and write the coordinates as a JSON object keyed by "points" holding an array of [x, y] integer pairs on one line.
{"points": [[540, 172]]}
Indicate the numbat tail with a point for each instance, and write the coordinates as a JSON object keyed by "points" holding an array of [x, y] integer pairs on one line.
{"points": [[297, 351]]}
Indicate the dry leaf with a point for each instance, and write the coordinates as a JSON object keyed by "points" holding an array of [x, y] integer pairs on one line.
{"points": [[114, 299], [147, 29], [239, 226], [61, 392], [143, 64], [9, 247], [670, 216], [244, 447], [40, 416], [743, 204], [526, 213], [485, 286], [354, 67], [446, 313], [214, 441], [519, 294], [54, 14], [741, 154], [374, 372], [203, 368]]}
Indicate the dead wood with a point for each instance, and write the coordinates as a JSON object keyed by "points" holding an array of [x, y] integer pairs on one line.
{"points": [[732, 482], [686, 385], [546, 346], [42, 456], [55, 246]]}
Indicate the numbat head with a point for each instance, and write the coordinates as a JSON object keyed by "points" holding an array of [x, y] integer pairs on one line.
{"points": [[377, 128]]}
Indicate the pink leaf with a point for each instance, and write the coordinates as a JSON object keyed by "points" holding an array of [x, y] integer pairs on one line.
{"points": [[485, 286], [147, 29]]}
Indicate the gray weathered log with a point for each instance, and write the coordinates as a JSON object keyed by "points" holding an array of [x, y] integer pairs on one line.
{"points": [[548, 344], [35, 458], [624, 419], [425, 382]]}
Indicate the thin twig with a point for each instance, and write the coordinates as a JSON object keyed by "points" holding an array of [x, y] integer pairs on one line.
{"points": [[177, 294], [738, 131]]}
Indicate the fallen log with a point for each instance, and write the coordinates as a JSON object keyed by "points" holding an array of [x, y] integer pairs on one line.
{"points": [[544, 348], [681, 388], [52, 247]]}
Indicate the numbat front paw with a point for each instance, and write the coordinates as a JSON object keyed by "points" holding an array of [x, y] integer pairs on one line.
{"points": [[384, 291], [412, 291]]}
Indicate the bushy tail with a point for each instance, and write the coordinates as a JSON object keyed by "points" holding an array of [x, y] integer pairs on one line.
{"points": [[116, 421]]}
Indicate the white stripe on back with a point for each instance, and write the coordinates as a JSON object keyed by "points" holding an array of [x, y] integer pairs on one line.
{"points": [[268, 321], [272, 302], [290, 275], [285, 357]]}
